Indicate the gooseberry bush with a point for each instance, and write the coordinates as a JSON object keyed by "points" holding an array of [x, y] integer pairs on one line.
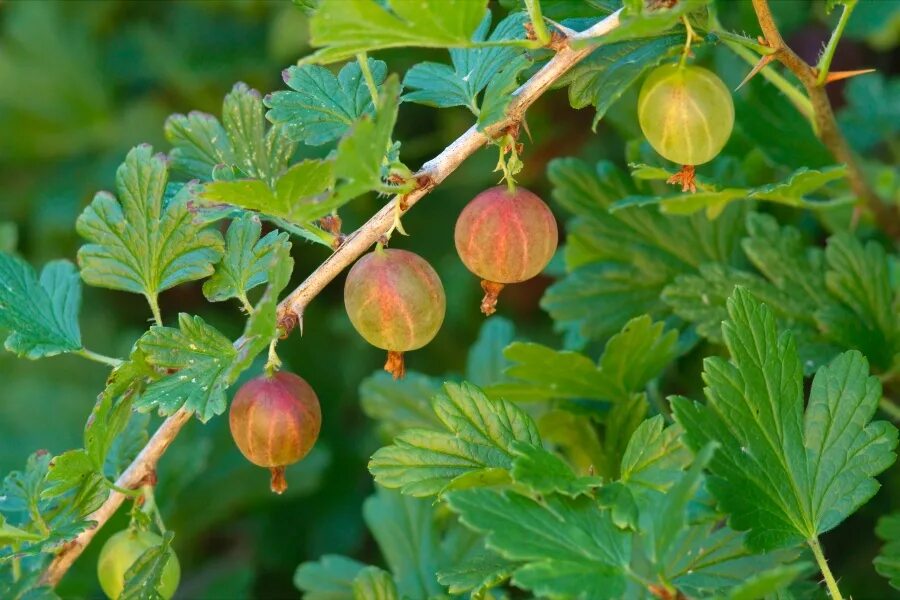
{"points": [[719, 399]]}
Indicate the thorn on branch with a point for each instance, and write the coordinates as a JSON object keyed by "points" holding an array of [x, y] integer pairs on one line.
{"points": [[838, 75], [765, 60]]}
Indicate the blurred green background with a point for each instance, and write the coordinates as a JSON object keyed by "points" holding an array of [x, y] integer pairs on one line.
{"points": [[83, 81]]}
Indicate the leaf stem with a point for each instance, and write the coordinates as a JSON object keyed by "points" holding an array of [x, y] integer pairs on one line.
{"points": [[825, 60], [363, 61], [124, 491], [730, 36], [100, 358], [891, 409], [537, 21], [153, 301], [830, 582], [150, 507]]}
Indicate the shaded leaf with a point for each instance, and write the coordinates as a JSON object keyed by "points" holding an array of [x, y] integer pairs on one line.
{"points": [[475, 441], [437, 84], [322, 107], [41, 315], [205, 149], [246, 262], [329, 578]]}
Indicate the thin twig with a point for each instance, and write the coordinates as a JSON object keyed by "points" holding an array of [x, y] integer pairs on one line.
{"points": [[827, 128], [358, 242], [143, 464], [437, 169]]}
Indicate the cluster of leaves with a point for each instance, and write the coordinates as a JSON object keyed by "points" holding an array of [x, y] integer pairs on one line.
{"points": [[541, 469], [650, 520]]}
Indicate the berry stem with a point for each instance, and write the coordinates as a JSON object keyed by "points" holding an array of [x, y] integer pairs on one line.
{"points": [[273, 363], [687, 41], [395, 364], [492, 291], [278, 482]]}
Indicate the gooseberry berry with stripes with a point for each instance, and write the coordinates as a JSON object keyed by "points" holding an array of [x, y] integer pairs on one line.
{"points": [[686, 114], [275, 421], [396, 301], [505, 236]]}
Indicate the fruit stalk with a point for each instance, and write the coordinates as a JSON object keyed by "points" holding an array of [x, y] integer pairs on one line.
{"points": [[290, 310], [828, 130]]}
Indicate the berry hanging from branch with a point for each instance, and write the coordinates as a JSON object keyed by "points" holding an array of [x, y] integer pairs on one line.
{"points": [[505, 236], [396, 301], [275, 421], [686, 113]]}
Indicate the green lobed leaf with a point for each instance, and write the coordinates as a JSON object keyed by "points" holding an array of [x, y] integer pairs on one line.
{"points": [[826, 299], [571, 548], [400, 404], [329, 578], [486, 363], [204, 147], [322, 107], [405, 530], [30, 502], [372, 583], [602, 291], [472, 447], [654, 457], [499, 92], [441, 85], [41, 315], [544, 472], [199, 358], [477, 574], [361, 152], [344, 28], [245, 264], [299, 196], [793, 191], [887, 563], [872, 113], [262, 326], [858, 277], [610, 70], [144, 576], [785, 476], [136, 243], [632, 357], [645, 19]]}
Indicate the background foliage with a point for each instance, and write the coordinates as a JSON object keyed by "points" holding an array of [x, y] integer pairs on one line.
{"points": [[81, 83]]}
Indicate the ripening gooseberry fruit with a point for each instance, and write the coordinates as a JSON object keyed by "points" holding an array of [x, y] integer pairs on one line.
{"points": [[119, 553], [396, 301], [505, 237], [686, 113], [275, 421]]}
